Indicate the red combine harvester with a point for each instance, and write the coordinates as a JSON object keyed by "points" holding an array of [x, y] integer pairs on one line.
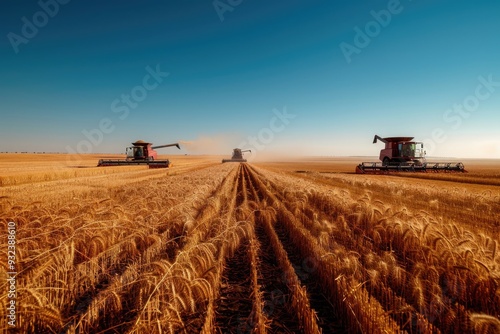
{"points": [[141, 153], [401, 154]]}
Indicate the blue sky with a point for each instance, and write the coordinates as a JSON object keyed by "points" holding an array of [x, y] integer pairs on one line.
{"points": [[340, 71]]}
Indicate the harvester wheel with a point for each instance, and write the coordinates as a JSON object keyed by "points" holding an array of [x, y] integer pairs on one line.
{"points": [[386, 161]]}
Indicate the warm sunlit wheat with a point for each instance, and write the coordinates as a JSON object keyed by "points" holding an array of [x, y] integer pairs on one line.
{"points": [[236, 247]]}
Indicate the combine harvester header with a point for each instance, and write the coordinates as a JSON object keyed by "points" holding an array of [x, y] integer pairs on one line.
{"points": [[401, 154], [141, 153]]}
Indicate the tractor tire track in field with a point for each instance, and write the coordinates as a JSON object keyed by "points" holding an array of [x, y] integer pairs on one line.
{"points": [[236, 307], [305, 268], [235, 304], [281, 312], [276, 294]]}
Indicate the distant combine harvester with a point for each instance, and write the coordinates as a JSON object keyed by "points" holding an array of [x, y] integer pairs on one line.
{"points": [[237, 156]]}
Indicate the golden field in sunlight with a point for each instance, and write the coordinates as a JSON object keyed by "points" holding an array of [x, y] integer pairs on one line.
{"points": [[280, 247]]}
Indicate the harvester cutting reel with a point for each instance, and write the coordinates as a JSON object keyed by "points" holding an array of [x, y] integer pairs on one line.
{"points": [[381, 168]]}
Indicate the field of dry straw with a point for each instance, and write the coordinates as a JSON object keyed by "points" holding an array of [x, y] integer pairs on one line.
{"points": [[205, 247]]}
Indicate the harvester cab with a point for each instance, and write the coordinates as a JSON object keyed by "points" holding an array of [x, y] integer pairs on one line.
{"points": [[237, 156], [401, 150], [401, 154], [135, 153]]}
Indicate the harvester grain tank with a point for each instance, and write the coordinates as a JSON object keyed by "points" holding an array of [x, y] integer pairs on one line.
{"points": [[141, 153], [237, 156], [401, 154]]}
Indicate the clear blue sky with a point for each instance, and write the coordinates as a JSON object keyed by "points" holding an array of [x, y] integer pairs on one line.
{"points": [[345, 69]]}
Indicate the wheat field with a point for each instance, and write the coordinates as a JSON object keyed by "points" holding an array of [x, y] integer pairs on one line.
{"points": [[284, 247]]}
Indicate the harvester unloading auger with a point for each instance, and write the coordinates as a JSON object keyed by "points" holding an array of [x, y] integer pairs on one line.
{"points": [[401, 154], [237, 156], [141, 153]]}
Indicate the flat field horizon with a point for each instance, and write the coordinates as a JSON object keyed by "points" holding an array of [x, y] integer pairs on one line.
{"points": [[298, 244]]}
